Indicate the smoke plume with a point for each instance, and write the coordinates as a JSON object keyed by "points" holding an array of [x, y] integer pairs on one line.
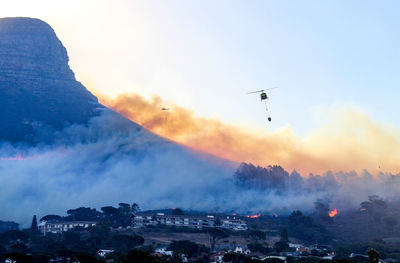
{"points": [[113, 160], [347, 140], [109, 161]]}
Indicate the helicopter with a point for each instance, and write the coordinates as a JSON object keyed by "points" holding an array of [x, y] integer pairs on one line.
{"points": [[164, 108], [264, 97]]}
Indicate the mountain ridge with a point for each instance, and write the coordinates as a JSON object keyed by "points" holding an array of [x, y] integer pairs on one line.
{"points": [[37, 86]]}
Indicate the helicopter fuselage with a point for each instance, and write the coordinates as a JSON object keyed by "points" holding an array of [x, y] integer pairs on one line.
{"points": [[263, 96]]}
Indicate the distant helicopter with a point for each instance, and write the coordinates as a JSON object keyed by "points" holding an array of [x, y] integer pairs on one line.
{"points": [[163, 108], [264, 97]]}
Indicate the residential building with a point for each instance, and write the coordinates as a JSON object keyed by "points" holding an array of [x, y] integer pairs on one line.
{"points": [[199, 222], [233, 223], [57, 227]]}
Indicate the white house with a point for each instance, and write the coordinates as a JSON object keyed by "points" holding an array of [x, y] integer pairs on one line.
{"points": [[104, 252], [164, 251]]}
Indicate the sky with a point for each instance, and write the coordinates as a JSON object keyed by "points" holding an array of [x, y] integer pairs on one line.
{"points": [[206, 55]]}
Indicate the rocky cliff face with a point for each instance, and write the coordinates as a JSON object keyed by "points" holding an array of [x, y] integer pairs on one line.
{"points": [[37, 87]]}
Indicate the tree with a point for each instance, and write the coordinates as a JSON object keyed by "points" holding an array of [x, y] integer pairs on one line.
{"points": [[18, 257], [71, 238], [85, 258], [51, 218], [281, 246], [124, 214], [110, 211], [284, 236], [124, 243], [5, 226], [277, 260], [2, 251], [257, 247], [34, 226], [186, 247], [234, 258], [19, 247], [322, 210], [177, 211], [13, 235], [101, 231], [373, 256], [135, 208], [83, 213], [124, 208], [303, 227], [342, 252], [366, 205], [37, 258], [136, 256], [215, 234], [257, 234]]}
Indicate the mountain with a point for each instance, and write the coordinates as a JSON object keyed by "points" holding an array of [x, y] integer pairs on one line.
{"points": [[74, 151], [37, 87]]}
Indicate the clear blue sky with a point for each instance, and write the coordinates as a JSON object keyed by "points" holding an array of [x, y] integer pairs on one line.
{"points": [[206, 55]]}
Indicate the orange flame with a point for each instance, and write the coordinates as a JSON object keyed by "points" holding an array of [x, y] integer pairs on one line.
{"points": [[333, 212], [254, 216]]}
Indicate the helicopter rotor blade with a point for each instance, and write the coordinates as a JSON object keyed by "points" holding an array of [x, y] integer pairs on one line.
{"points": [[258, 91], [272, 88]]}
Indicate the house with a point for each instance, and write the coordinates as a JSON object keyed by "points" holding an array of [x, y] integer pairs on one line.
{"points": [[296, 246], [104, 252], [217, 257], [57, 227], [162, 250], [241, 249]]}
